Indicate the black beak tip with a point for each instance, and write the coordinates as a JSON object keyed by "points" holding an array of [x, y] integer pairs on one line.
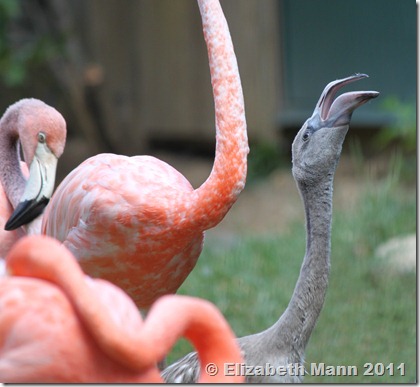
{"points": [[26, 212]]}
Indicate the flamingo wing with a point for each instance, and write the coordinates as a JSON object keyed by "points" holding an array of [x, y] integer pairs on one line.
{"points": [[122, 218], [112, 193]]}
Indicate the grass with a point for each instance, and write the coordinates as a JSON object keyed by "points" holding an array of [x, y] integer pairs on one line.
{"points": [[263, 159], [370, 312]]}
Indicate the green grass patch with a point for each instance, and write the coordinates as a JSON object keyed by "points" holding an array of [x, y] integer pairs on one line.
{"points": [[263, 159], [370, 312]]}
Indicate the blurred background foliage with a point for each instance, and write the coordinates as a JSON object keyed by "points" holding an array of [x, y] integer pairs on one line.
{"points": [[402, 130], [23, 50]]}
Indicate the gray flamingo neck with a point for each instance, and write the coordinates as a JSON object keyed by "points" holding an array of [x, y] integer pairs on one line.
{"points": [[297, 322]]}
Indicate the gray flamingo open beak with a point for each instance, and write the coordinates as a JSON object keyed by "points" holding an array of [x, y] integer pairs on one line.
{"points": [[38, 190], [333, 113]]}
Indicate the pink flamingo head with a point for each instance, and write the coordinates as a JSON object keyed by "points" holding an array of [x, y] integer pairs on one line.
{"points": [[38, 123], [41, 131]]}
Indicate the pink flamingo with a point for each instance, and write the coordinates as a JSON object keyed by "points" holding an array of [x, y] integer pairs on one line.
{"points": [[136, 221], [27, 186], [59, 326]]}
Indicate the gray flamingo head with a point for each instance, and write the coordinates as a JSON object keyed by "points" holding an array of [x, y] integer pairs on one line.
{"points": [[317, 146]]}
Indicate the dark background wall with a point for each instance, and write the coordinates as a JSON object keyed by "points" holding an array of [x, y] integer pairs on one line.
{"points": [[128, 74]]}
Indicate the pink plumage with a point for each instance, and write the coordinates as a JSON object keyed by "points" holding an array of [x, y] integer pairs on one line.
{"points": [[59, 326]]}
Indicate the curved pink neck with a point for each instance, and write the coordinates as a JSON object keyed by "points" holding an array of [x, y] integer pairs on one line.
{"points": [[11, 177], [213, 199], [136, 349]]}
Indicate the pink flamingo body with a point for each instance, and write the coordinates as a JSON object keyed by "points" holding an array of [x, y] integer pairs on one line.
{"points": [[136, 221], [59, 326], [117, 230]]}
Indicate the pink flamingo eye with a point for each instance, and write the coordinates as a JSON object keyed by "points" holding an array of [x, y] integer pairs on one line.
{"points": [[42, 137]]}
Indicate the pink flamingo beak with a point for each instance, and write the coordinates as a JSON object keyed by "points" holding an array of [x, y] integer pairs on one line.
{"points": [[38, 191]]}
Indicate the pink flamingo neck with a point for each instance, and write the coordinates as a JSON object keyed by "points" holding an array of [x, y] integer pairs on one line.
{"points": [[217, 194], [11, 177], [140, 349]]}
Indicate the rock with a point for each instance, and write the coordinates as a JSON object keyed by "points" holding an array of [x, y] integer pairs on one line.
{"points": [[400, 253]]}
